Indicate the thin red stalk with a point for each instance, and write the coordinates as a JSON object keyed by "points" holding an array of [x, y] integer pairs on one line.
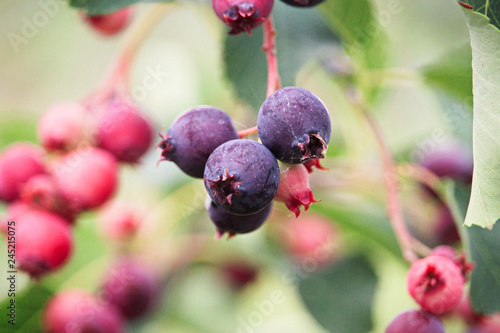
{"points": [[248, 131], [269, 46]]}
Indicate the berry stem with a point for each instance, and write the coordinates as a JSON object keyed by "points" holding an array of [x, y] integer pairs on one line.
{"points": [[117, 76], [247, 131], [269, 46]]}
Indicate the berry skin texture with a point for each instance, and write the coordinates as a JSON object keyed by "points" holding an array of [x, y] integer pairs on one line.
{"points": [[87, 177], [303, 3], [131, 288], [242, 15], [124, 131], [294, 125], [242, 177], [76, 311], [435, 283], [62, 126], [194, 136], [110, 24], [294, 189], [235, 224], [415, 321], [43, 242], [18, 163]]}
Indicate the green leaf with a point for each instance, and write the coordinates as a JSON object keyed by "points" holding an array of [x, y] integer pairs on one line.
{"points": [[29, 305], [97, 7], [301, 36], [484, 209], [483, 248], [341, 297], [491, 8]]}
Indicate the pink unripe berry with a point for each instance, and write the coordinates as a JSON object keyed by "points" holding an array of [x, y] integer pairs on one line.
{"points": [[435, 283], [242, 15], [294, 189], [72, 311], [120, 220], [124, 131], [87, 177], [43, 242], [110, 24], [486, 325], [131, 287], [415, 321], [18, 163], [14, 209], [62, 126]]}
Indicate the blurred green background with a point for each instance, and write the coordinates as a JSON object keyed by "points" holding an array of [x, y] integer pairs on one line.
{"points": [[64, 61]]}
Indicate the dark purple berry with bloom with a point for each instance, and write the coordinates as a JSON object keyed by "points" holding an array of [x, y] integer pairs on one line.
{"points": [[194, 136], [242, 177], [415, 321], [242, 15], [294, 125], [302, 3], [235, 224]]}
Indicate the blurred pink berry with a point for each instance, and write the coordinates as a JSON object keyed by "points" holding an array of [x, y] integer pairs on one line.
{"points": [[294, 189], [18, 163], [120, 220], [87, 177], [239, 274], [435, 283], [62, 126], [72, 311], [112, 23]]}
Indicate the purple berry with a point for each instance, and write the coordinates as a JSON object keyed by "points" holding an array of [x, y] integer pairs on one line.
{"points": [[302, 3], [235, 224], [295, 125], [194, 136], [415, 321], [242, 177], [242, 15], [131, 288]]}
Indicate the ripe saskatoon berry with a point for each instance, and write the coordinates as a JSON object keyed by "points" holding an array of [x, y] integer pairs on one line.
{"points": [[43, 193], [302, 3], [295, 125], [120, 220], [62, 126], [87, 177], [235, 224], [110, 24], [242, 177], [242, 15], [44, 242], [294, 189], [18, 163], [435, 283], [124, 131], [77, 311], [194, 136], [415, 321], [131, 288]]}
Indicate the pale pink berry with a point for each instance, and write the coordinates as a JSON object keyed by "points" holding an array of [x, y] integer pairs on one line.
{"points": [[435, 283], [119, 220], [110, 24]]}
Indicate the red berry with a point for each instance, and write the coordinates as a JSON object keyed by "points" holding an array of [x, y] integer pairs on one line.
{"points": [[294, 189], [110, 24], [486, 325], [131, 287], [124, 131], [435, 283], [62, 126], [459, 260], [415, 321], [43, 242], [239, 274], [18, 163], [242, 15], [310, 237], [120, 220], [73, 311], [87, 177]]}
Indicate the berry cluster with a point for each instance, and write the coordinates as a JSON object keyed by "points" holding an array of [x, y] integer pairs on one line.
{"points": [[78, 171], [241, 176]]}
